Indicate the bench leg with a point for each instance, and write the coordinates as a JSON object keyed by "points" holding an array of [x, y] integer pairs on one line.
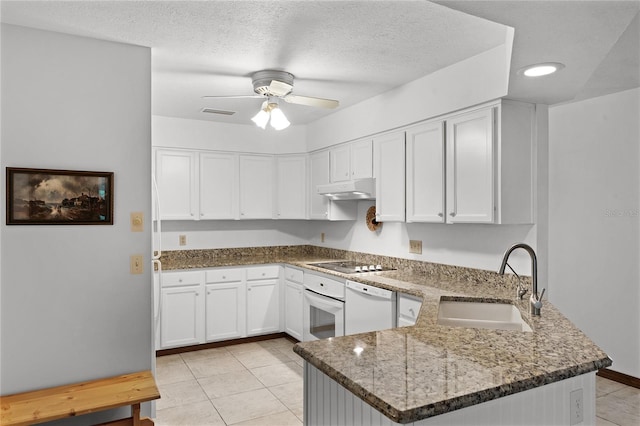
{"points": [[135, 414]]}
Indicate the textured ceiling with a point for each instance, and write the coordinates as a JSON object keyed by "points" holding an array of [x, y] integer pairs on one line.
{"points": [[348, 50]]}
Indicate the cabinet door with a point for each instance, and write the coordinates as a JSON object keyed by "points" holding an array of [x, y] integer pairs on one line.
{"points": [[263, 307], [182, 316], [470, 180], [362, 159], [318, 175], [256, 187], [292, 187], [408, 309], [226, 311], [425, 173], [177, 180], [340, 161], [293, 309], [390, 176], [218, 186]]}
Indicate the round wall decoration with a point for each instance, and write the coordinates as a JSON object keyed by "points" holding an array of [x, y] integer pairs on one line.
{"points": [[372, 224]]}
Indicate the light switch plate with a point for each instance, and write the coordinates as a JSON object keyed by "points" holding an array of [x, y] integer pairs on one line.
{"points": [[415, 246], [137, 222], [136, 264], [182, 240]]}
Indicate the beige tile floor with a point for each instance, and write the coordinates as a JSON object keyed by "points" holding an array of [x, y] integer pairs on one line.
{"points": [[261, 384], [248, 384]]}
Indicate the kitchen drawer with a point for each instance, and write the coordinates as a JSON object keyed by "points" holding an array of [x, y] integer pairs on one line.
{"points": [[263, 272], [177, 279], [292, 274], [325, 285], [408, 306], [224, 275]]}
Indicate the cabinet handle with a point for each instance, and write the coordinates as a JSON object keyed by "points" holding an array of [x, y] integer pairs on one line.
{"points": [[180, 280], [224, 277], [263, 274], [440, 215], [452, 214], [191, 214], [201, 214]]}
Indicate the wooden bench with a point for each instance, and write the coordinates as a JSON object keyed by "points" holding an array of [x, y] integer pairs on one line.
{"points": [[82, 398]]}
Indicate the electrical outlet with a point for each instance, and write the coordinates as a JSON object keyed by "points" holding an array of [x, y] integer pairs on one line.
{"points": [[577, 415], [322, 237], [415, 246], [136, 264], [183, 240]]}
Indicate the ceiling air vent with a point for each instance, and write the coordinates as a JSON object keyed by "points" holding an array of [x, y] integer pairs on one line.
{"points": [[217, 111]]}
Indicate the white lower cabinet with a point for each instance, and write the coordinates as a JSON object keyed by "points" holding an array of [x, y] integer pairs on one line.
{"points": [[263, 300], [219, 304], [226, 304], [408, 309], [182, 309], [293, 300]]}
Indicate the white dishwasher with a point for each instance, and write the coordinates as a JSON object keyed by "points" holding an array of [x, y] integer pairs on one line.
{"points": [[368, 308]]}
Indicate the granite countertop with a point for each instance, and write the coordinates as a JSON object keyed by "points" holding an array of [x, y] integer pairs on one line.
{"points": [[412, 373]]}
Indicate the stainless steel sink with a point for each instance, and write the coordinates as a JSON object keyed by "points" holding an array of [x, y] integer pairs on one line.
{"points": [[486, 314]]}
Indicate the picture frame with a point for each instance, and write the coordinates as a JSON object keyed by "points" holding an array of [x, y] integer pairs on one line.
{"points": [[58, 197]]}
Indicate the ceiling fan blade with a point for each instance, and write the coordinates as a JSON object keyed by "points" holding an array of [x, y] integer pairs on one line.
{"points": [[279, 88], [233, 97], [309, 101]]}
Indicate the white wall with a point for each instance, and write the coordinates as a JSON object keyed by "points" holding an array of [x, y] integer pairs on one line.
{"points": [[594, 221], [199, 134], [70, 309], [476, 80]]}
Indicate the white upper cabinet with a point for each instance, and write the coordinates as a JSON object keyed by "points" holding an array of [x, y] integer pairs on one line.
{"points": [[389, 171], [321, 207], [218, 185], [291, 187], [362, 159], [340, 163], [256, 187], [470, 164], [177, 179], [351, 161], [489, 174], [425, 173], [318, 175]]}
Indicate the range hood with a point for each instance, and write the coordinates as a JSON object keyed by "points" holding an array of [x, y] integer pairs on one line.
{"points": [[359, 189]]}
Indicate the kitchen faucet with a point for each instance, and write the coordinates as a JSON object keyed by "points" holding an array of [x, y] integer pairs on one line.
{"points": [[535, 300]]}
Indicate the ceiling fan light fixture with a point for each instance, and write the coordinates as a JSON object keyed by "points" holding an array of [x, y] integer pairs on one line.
{"points": [[542, 69], [278, 119], [262, 117]]}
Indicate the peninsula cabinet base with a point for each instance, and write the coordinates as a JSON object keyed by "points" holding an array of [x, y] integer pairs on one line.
{"points": [[328, 403]]}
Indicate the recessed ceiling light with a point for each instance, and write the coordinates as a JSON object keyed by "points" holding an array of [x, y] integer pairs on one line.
{"points": [[538, 70]]}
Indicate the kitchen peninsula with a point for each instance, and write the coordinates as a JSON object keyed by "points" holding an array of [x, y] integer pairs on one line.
{"points": [[413, 374]]}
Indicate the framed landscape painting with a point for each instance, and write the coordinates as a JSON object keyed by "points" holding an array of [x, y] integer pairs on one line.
{"points": [[59, 197]]}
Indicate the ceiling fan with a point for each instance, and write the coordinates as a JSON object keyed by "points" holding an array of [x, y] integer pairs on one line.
{"points": [[274, 85], [279, 84]]}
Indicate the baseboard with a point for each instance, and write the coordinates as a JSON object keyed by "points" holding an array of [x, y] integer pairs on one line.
{"points": [[625, 379], [211, 345]]}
